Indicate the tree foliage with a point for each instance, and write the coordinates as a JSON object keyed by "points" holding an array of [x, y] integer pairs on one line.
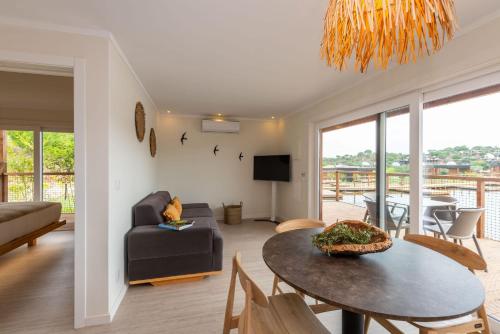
{"points": [[58, 151]]}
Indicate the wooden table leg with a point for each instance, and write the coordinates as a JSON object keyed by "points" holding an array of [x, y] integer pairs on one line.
{"points": [[352, 323]]}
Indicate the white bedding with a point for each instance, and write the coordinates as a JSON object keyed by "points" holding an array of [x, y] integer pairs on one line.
{"points": [[27, 223]]}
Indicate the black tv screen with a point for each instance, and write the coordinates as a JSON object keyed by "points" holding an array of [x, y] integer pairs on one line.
{"points": [[271, 167]]}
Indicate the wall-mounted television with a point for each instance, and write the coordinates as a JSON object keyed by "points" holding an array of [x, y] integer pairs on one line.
{"points": [[271, 167]]}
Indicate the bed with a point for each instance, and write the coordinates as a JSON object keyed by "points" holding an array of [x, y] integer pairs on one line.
{"points": [[24, 222]]}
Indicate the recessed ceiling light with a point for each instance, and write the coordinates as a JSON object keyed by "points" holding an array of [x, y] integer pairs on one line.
{"points": [[168, 111], [272, 117]]}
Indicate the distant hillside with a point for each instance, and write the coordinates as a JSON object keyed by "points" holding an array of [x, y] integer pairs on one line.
{"points": [[479, 158]]}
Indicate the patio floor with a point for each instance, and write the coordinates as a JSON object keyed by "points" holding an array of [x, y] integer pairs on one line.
{"points": [[333, 211]]}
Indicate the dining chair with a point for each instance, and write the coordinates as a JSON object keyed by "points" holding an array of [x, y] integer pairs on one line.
{"points": [[290, 225], [280, 314], [462, 228], [298, 224], [393, 222], [473, 323]]}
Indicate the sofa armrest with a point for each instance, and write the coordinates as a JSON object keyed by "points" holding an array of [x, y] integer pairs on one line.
{"points": [[217, 249]]}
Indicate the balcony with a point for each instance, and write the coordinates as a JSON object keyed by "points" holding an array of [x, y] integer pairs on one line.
{"points": [[342, 199]]}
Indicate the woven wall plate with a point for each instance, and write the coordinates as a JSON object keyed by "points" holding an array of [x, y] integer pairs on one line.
{"points": [[140, 121], [152, 142]]}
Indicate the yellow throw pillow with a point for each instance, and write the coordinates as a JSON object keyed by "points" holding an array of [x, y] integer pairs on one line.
{"points": [[177, 203], [171, 213]]}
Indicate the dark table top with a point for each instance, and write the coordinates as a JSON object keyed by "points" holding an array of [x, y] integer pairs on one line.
{"points": [[407, 282]]}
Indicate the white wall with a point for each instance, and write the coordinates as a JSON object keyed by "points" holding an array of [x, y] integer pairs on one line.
{"points": [[94, 50], [132, 170], [469, 53], [119, 170], [192, 172]]}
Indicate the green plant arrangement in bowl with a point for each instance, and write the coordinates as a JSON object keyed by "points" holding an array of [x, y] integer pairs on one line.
{"points": [[352, 237]]}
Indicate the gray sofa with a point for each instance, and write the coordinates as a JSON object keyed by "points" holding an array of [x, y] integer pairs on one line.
{"points": [[154, 253]]}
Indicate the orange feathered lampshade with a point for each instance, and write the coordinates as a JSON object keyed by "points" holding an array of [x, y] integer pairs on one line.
{"points": [[384, 29]]}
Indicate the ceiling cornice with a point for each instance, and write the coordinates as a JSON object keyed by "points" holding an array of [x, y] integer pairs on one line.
{"points": [[38, 25]]}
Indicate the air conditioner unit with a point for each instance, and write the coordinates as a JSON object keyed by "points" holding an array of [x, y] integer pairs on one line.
{"points": [[219, 125]]}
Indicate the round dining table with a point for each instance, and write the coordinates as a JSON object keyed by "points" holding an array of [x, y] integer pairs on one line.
{"points": [[406, 282]]}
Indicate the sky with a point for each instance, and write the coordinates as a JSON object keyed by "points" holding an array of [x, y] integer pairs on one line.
{"points": [[473, 122]]}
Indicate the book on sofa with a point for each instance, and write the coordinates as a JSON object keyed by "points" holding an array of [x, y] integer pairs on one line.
{"points": [[177, 225]]}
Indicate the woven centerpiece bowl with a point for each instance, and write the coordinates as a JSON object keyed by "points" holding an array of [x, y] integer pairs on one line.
{"points": [[378, 240]]}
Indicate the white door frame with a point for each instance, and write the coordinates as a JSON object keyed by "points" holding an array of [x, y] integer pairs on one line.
{"points": [[78, 66], [414, 102]]}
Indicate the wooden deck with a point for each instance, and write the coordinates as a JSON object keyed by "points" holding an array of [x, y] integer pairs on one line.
{"points": [[333, 211]]}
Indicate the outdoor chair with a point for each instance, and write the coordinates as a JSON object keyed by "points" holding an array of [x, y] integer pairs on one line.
{"points": [[444, 216], [463, 228], [281, 314], [393, 221], [472, 323]]}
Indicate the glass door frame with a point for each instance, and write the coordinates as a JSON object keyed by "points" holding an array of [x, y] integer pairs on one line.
{"points": [[412, 101], [37, 152]]}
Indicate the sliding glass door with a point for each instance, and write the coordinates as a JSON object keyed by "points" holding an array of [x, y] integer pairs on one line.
{"points": [[364, 171], [348, 170]]}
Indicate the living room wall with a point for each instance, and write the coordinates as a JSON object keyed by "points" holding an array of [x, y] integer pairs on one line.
{"points": [[192, 171], [132, 170], [467, 54]]}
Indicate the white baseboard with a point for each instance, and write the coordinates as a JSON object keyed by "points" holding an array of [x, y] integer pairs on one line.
{"points": [[103, 319], [96, 320], [118, 301]]}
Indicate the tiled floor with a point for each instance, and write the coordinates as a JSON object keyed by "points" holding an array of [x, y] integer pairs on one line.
{"points": [[333, 211]]}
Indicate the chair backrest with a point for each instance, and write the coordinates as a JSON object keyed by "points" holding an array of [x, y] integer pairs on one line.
{"points": [[256, 294], [451, 216], [466, 222], [298, 224], [371, 206], [443, 198], [456, 252], [371, 196]]}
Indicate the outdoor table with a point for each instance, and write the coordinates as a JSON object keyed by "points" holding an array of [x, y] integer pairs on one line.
{"points": [[407, 282]]}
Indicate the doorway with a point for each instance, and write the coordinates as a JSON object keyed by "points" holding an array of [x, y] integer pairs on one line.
{"points": [[48, 174]]}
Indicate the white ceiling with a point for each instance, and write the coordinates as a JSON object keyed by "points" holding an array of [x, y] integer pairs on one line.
{"points": [[253, 58]]}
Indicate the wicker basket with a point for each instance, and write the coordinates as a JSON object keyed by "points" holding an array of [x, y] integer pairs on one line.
{"points": [[232, 214], [380, 242]]}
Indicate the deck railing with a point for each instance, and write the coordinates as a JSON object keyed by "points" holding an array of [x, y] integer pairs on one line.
{"points": [[57, 187], [470, 191]]}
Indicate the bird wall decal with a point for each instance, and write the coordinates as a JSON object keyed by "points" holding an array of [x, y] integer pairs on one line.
{"points": [[183, 138], [240, 156], [216, 149]]}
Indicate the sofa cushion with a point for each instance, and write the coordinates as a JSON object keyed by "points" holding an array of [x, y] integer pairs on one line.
{"points": [[149, 211], [171, 213], [165, 195], [193, 213], [177, 203], [194, 205], [148, 241]]}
